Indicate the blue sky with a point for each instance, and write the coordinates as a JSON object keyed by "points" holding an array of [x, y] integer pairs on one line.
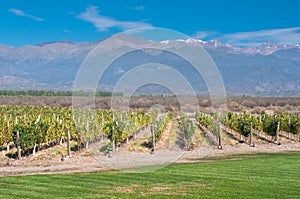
{"points": [[237, 22]]}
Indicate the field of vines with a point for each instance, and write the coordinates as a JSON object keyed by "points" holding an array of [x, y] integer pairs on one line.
{"points": [[265, 126], [33, 128]]}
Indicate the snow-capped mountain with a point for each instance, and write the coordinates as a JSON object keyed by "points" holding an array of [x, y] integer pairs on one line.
{"points": [[266, 48], [268, 69]]}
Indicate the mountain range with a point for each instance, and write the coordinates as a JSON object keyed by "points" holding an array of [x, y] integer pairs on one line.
{"points": [[266, 70]]}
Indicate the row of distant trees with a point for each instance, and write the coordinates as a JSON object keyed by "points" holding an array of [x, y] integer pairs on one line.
{"points": [[55, 93]]}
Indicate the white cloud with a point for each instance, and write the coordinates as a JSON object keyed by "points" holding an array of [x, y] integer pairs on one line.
{"points": [[103, 23], [205, 34], [67, 31], [289, 36], [23, 14], [282, 36]]}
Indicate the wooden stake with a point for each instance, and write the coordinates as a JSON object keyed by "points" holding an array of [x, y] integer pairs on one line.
{"points": [[34, 149], [113, 139], [153, 137], [277, 131], [251, 134], [18, 145], [220, 136], [113, 146], [289, 127], [68, 142]]}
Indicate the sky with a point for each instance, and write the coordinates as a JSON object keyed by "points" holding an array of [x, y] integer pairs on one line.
{"points": [[246, 23]]}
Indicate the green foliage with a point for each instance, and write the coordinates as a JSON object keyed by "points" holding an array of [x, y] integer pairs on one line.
{"points": [[30, 135], [242, 122], [48, 125], [160, 125], [261, 176], [188, 129], [114, 131], [289, 123], [270, 124], [239, 122], [119, 125], [210, 121], [27, 136], [204, 119]]}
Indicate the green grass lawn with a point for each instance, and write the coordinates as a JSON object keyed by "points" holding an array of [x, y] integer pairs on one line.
{"points": [[248, 176]]}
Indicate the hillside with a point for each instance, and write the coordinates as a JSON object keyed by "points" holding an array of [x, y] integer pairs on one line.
{"points": [[267, 70]]}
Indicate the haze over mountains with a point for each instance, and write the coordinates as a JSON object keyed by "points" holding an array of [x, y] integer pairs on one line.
{"points": [[266, 70]]}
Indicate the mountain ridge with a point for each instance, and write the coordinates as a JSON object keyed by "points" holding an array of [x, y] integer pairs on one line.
{"points": [[265, 48], [265, 70]]}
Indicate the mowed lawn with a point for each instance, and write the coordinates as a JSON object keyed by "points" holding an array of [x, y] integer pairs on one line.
{"points": [[243, 176]]}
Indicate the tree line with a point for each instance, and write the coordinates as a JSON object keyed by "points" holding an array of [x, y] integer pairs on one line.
{"points": [[56, 93]]}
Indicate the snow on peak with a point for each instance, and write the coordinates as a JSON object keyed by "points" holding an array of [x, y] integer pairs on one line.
{"points": [[268, 48], [194, 41], [165, 42]]}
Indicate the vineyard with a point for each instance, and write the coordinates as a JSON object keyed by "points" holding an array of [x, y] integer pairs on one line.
{"points": [[34, 128], [30, 129], [244, 126]]}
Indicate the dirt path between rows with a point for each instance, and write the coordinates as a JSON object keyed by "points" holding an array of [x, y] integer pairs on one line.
{"points": [[163, 142], [121, 159]]}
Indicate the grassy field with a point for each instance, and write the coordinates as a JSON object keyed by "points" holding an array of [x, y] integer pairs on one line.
{"points": [[243, 176]]}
